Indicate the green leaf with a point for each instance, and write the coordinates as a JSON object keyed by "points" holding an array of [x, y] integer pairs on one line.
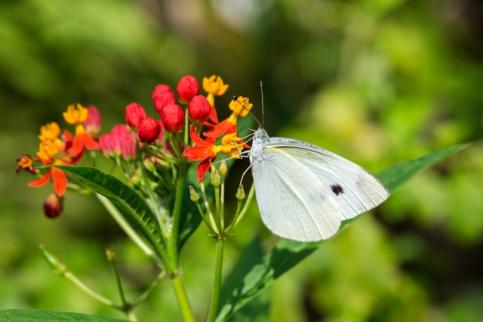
{"points": [[244, 284], [131, 206], [50, 316]]}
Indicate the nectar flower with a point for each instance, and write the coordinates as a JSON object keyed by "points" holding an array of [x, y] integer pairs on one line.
{"points": [[134, 113], [25, 162], [162, 96], [199, 109], [50, 131], [119, 142], [53, 205], [75, 114], [240, 107], [187, 88], [58, 178], [173, 118], [149, 130], [205, 150], [93, 122], [214, 85]]}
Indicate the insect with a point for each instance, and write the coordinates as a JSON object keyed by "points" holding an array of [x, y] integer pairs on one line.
{"points": [[304, 192]]}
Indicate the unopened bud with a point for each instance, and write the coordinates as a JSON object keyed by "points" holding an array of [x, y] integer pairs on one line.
{"points": [[53, 205], [194, 195], [223, 168], [110, 254], [215, 177], [240, 193]]}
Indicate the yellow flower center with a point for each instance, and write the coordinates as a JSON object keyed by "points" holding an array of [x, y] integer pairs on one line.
{"points": [[48, 132], [240, 106], [75, 114], [214, 85]]}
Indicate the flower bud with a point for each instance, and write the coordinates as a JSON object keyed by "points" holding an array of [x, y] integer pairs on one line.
{"points": [[223, 168], [199, 109], [173, 118], [93, 121], [110, 253], [149, 130], [187, 88], [134, 113], [215, 177], [193, 194], [53, 205], [162, 96], [240, 193]]}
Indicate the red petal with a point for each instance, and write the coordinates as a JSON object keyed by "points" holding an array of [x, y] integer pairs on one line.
{"points": [[220, 129], [41, 181], [196, 153], [197, 140], [203, 167], [89, 142], [213, 117], [77, 146], [60, 181]]}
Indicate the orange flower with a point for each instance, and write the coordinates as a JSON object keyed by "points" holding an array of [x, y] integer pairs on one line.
{"points": [[58, 178], [240, 107], [77, 115], [205, 150], [25, 162], [214, 86]]}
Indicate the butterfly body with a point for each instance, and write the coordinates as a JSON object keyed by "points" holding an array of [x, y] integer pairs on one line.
{"points": [[304, 192]]}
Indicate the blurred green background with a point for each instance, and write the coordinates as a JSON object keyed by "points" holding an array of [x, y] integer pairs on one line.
{"points": [[374, 80]]}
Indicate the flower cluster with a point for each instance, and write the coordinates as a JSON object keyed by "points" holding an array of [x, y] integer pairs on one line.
{"points": [[59, 147], [186, 128]]}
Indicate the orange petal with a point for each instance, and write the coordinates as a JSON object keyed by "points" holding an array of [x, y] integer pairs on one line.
{"points": [[196, 153], [60, 181], [77, 146], [41, 181], [89, 142], [220, 129]]}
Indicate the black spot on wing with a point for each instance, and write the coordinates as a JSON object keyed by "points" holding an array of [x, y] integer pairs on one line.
{"points": [[336, 189]]}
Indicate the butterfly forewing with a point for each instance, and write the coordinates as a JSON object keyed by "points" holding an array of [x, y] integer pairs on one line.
{"points": [[304, 191]]}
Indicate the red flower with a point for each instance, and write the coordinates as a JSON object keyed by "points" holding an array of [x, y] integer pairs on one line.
{"points": [[201, 151], [58, 178], [162, 96], [82, 140], [119, 142], [173, 118], [53, 205], [187, 88], [149, 130], [93, 122], [134, 113], [199, 109]]}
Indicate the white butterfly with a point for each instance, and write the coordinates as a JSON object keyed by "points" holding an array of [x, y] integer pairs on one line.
{"points": [[304, 192]]}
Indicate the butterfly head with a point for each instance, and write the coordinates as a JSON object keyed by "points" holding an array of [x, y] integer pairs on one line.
{"points": [[260, 134]]}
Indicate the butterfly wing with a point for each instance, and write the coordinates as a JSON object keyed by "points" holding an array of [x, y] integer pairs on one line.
{"points": [[305, 191]]}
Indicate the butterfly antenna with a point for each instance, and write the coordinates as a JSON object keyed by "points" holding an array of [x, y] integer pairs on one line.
{"points": [[263, 104]]}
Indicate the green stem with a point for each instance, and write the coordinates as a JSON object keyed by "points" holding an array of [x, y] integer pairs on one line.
{"points": [[244, 210], [222, 206], [215, 297], [118, 282], [186, 127], [62, 270], [178, 202], [182, 298], [149, 290]]}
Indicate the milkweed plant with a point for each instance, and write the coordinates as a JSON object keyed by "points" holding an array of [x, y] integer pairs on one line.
{"points": [[173, 170]]}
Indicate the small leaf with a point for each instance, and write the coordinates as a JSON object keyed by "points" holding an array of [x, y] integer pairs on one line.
{"points": [[243, 285], [50, 316], [127, 201]]}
